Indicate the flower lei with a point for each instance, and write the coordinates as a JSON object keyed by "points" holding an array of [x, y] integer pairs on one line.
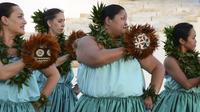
{"points": [[24, 75], [188, 61], [38, 20], [98, 31]]}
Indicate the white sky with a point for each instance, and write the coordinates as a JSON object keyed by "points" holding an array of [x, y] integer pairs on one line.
{"points": [[72, 8]]}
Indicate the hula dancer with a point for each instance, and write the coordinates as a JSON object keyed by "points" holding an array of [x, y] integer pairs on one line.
{"points": [[110, 80], [18, 84], [63, 98], [182, 90]]}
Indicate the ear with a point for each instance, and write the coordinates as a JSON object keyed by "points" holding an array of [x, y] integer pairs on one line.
{"points": [[4, 20], [108, 21], [182, 41], [49, 23]]}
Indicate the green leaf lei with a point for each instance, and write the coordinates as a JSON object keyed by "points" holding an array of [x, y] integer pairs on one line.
{"points": [[150, 92], [66, 66], [24, 75], [98, 30], [40, 27], [188, 61]]}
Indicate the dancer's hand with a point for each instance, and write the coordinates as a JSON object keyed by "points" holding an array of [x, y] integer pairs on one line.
{"points": [[148, 103]]}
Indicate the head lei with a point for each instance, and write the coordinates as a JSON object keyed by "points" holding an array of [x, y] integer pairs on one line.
{"points": [[188, 62], [23, 76], [65, 49]]}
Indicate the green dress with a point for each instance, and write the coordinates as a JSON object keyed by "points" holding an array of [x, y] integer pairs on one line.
{"points": [[177, 99], [115, 87], [13, 100]]}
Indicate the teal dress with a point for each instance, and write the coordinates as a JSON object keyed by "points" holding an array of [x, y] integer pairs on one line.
{"points": [[115, 87], [62, 99], [177, 99], [13, 100]]}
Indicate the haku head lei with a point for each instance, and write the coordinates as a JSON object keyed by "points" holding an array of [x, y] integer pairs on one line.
{"points": [[188, 61]]}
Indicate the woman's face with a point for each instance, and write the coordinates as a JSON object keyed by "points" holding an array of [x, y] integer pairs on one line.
{"points": [[16, 22], [56, 26], [190, 44], [118, 24]]}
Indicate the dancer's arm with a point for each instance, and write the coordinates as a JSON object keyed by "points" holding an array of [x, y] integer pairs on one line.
{"points": [[89, 52]]}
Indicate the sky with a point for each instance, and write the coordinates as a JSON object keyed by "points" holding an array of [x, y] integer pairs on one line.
{"points": [[71, 8]]}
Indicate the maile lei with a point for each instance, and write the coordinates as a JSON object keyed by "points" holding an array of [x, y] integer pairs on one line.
{"points": [[188, 62], [24, 75]]}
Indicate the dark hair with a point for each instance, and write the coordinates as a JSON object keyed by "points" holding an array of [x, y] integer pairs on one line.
{"points": [[50, 14], [181, 30], [6, 10], [110, 11]]}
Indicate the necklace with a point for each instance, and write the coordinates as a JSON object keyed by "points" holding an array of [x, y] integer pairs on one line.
{"points": [[24, 75]]}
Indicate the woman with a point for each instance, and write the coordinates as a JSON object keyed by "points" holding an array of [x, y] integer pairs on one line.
{"points": [[110, 83], [18, 92], [63, 98], [182, 66]]}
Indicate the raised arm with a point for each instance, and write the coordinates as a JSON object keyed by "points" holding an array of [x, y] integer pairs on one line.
{"points": [[154, 67], [175, 71], [53, 76], [9, 70], [90, 53]]}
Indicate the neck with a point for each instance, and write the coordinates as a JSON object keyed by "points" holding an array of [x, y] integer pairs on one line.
{"points": [[52, 33], [183, 49], [111, 34], [8, 38]]}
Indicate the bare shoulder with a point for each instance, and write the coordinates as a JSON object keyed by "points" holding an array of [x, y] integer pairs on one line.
{"points": [[85, 41], [170, 61]]}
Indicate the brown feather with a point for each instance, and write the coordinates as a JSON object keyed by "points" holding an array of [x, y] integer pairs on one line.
{"points": [[70, 43], [36, 41], [131, 36]]}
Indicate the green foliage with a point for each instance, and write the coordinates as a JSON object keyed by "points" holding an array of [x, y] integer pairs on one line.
{"points": [[150, 91], [38, 19], [66, 66], [103, 37], [96, 15]]}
